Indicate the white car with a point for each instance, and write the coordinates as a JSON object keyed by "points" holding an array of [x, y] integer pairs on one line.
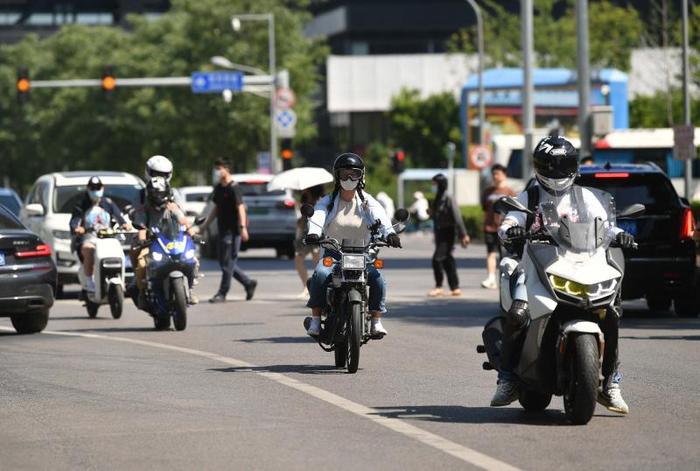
{"points": [[193, 200], [48, 207]]}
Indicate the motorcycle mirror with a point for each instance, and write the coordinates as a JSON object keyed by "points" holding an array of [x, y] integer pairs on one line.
{"points": [[632, 211], [401, 215], [307, 210], [199, 220], [508, 203]]}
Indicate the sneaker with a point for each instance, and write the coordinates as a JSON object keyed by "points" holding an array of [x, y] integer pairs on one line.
{"points": [[250, 289], [489, 283], [434, 293], [91, 284], [612, 400], [377, 330], [315, 327], [194, 299], [506, 392], [218, 298]]}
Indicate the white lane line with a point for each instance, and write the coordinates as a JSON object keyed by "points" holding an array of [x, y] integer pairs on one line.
{"points": [[444, 445]]}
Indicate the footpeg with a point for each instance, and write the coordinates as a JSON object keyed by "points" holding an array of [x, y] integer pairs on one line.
{"points": [[487, 366], [480, 349]]}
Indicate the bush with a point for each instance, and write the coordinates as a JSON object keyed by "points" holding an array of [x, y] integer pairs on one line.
{"points": [[473, 217]]}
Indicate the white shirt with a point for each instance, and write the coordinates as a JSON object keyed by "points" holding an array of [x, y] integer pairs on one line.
{"points": [[348, 223], [370, 211], [420, 207]]}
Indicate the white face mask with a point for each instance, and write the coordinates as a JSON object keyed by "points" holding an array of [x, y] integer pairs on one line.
{"points": [[348, 184], [434, 188], [217, 175]]}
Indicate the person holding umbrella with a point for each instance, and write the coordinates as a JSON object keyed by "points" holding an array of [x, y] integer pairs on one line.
{"points": [[308, 196]]}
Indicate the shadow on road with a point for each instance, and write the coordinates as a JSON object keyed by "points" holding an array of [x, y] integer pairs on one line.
{"points": [[289, 339], [113, 329], [453, 312], [301, 369]]}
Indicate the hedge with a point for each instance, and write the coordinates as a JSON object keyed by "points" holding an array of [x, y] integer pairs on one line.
{"points": [[473, 217]]}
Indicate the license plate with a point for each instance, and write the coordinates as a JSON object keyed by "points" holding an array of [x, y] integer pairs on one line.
{"points": [[2, 259], [628, 226]]}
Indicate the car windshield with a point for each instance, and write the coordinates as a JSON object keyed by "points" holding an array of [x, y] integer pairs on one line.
{"points": [[10, 202], [68, 197], [257, 189], [197, 197], [8, 220], [581, 220]]}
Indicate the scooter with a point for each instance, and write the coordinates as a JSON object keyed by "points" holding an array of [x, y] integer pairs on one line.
{"points": [[109, 272], [573, 279]]}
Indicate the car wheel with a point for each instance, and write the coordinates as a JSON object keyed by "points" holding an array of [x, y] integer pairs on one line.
{"points": [[30, 322], [658, 302], [685, 306]]}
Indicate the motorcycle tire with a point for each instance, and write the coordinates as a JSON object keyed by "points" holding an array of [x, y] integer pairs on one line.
{"points": [[91, 308], [179, 304], [354, 337], [534, 401], [161, 323], [584, 371], [116, 300], [341, 351]]}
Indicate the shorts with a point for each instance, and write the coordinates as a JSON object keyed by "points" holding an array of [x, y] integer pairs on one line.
{"points": [[300, 248], [492, 242]]}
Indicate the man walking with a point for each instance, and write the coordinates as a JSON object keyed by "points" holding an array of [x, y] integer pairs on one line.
{"points": [[492, 221], [232, 222]]}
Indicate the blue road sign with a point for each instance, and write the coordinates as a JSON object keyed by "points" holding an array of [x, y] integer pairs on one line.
{"points": [[216, 82]]}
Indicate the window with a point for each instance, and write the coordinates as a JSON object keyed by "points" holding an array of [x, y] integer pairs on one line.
{"points": [[10, 202], [8, 220], [68, 197], [258, 189], [197, 197]]}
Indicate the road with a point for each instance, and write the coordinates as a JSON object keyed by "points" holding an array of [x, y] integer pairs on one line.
{"points": [[244, 388]]}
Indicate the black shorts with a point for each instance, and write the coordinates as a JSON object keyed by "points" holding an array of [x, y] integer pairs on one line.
{"points": [[492, 242]]}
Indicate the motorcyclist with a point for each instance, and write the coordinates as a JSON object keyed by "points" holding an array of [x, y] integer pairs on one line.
{"points": [[556, 167], [346, 214], [94, 212], [158, 206]]}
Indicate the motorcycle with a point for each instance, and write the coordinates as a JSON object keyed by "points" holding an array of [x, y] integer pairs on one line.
{"points": [[573, 276], [170, 273], [346, 321], [110, 267]]}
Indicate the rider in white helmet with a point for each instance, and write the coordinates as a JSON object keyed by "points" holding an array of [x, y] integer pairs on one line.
{"points": [[159, 166]]}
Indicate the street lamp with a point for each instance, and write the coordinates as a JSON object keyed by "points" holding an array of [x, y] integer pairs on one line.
{"points": [[221, 61], [480, 48]]}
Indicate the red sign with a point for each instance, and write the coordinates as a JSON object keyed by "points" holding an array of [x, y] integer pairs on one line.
{"points": [[480, 157]]}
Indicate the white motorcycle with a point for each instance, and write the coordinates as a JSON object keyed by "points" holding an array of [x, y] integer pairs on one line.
{"points": [[573, 279], [108, 272]]}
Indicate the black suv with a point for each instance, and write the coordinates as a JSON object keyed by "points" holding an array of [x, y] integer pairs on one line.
{"points": [[663, 268]]}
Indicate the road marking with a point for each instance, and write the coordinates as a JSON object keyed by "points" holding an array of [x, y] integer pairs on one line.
{"points": [[456, 450]]}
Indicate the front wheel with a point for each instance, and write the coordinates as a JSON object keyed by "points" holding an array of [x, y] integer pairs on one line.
{"points": [[354, 337], [584, 368], [116, 300], [91, 307], [179, 303]]}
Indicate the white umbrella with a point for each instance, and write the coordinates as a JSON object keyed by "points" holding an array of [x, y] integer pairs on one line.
{"points": [[299, 179]]}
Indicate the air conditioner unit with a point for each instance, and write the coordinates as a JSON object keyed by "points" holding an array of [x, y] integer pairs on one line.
{"points": [[602, 117]]}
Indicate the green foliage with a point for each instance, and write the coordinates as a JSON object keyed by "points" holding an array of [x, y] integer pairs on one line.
{"points": [[661, 110], [473, 217], [422, 127], [379, 175], [61, 129]]}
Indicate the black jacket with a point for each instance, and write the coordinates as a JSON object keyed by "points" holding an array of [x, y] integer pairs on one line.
{"points": [[445, 214]]}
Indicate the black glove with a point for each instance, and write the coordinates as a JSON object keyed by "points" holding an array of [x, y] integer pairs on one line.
{"points": [[393, 240], [625, 240], [515, 232], [311, 239]]}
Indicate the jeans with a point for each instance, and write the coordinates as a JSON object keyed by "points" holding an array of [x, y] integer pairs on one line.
{"points": [[322, 277], [229, 245]]}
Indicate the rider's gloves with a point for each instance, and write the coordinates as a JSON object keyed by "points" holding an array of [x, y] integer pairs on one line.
{"points": [[311, 239], [625, 240], [393, 240], [515, 232]]}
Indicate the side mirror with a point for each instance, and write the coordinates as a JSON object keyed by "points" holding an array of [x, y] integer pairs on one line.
{"points": [[198, 221], [34, 209], [307, 210], [633, 211], [401, 215], [508, 203]]}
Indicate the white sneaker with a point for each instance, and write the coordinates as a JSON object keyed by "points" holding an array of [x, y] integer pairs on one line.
{"points": [[506, 392], [612, 400], [489, 283], [378, 329], [91, 284], [315, 327]]}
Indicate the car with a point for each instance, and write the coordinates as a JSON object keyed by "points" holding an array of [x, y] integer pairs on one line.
{"points": [[272, 216], [28, 275], [193, 200], [10, 200], [48, 206], [663, 268]]}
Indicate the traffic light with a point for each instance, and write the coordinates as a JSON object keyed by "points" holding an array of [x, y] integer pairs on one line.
{"points": [[398, 161], [109, 82], [23, 84], [287, 153]]}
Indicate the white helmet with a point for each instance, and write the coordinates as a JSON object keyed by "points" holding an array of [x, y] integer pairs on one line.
{"points": [[159, 166]]}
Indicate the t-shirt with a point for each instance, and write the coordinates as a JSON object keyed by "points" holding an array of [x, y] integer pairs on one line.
{"points": [[348, 222], [148, 216], [97, 218], [492, 220], [227, 198]]}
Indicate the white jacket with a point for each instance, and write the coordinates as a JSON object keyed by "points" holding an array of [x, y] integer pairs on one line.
{"points": [[370, 211]]}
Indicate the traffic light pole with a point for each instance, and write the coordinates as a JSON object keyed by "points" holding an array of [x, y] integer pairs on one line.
{"points": [[256, 84]]}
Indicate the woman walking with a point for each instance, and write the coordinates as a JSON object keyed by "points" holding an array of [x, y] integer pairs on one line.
{"points": [[448, 224], [308, 196]]}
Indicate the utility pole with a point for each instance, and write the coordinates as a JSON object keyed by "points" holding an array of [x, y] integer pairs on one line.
{"points": [[686, 102], [480, 48], [528, 110], [583, 77]]}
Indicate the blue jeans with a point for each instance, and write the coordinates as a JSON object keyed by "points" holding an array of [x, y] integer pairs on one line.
{"points": [[229, 245], [322, 277]]}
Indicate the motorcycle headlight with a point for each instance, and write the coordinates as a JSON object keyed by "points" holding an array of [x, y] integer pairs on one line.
{"points": [[157, 256], [189, 253], [353, 262], [579, 290]]}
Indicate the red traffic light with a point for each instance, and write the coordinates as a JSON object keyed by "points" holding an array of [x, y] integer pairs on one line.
{"points": [[400, 155], [287, 154]]}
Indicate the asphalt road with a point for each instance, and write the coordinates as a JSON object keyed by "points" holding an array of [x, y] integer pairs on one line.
{"points": [[244, 388]]}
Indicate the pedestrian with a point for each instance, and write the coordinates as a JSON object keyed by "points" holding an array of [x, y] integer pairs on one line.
{"points": [[419, 209], [387, 203], [492, 221], [448, 224], [232, 222], [308, 196]]}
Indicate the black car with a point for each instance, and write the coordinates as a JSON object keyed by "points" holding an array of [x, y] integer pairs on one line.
{"points": [[27, 276], [662, 269]]}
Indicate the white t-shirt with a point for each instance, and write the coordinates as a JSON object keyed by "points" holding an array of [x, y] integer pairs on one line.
{"points": [[348, 222], [420, 207]]}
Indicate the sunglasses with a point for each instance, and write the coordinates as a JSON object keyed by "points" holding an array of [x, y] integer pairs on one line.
{"points": [[350, 174]]}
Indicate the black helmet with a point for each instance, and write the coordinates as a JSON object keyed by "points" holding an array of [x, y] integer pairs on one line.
{"points": [[556, 163], [95, 184], [354, 165], [158, 192]]}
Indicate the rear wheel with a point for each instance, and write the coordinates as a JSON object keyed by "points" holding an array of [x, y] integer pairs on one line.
{"points": [[30, 322], [584, 368], [658, 302], [354, 337], [91, 308], [179, 303], [533, 400], [116, 300], [686, 306]]}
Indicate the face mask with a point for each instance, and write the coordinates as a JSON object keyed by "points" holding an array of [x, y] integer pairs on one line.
{"points": [[217, 175], [348, 184], [434, 188], [95, 194]]}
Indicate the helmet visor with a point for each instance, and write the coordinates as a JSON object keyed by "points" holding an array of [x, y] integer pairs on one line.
{"points": [[350, 174]]}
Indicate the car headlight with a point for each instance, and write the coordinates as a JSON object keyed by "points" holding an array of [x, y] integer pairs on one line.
{"points": [[61, 234], [157, 256], [353, 262], [579, 290]]}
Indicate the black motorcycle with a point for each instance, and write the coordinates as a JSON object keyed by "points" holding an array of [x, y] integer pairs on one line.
{"points": [[346, 321]]}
